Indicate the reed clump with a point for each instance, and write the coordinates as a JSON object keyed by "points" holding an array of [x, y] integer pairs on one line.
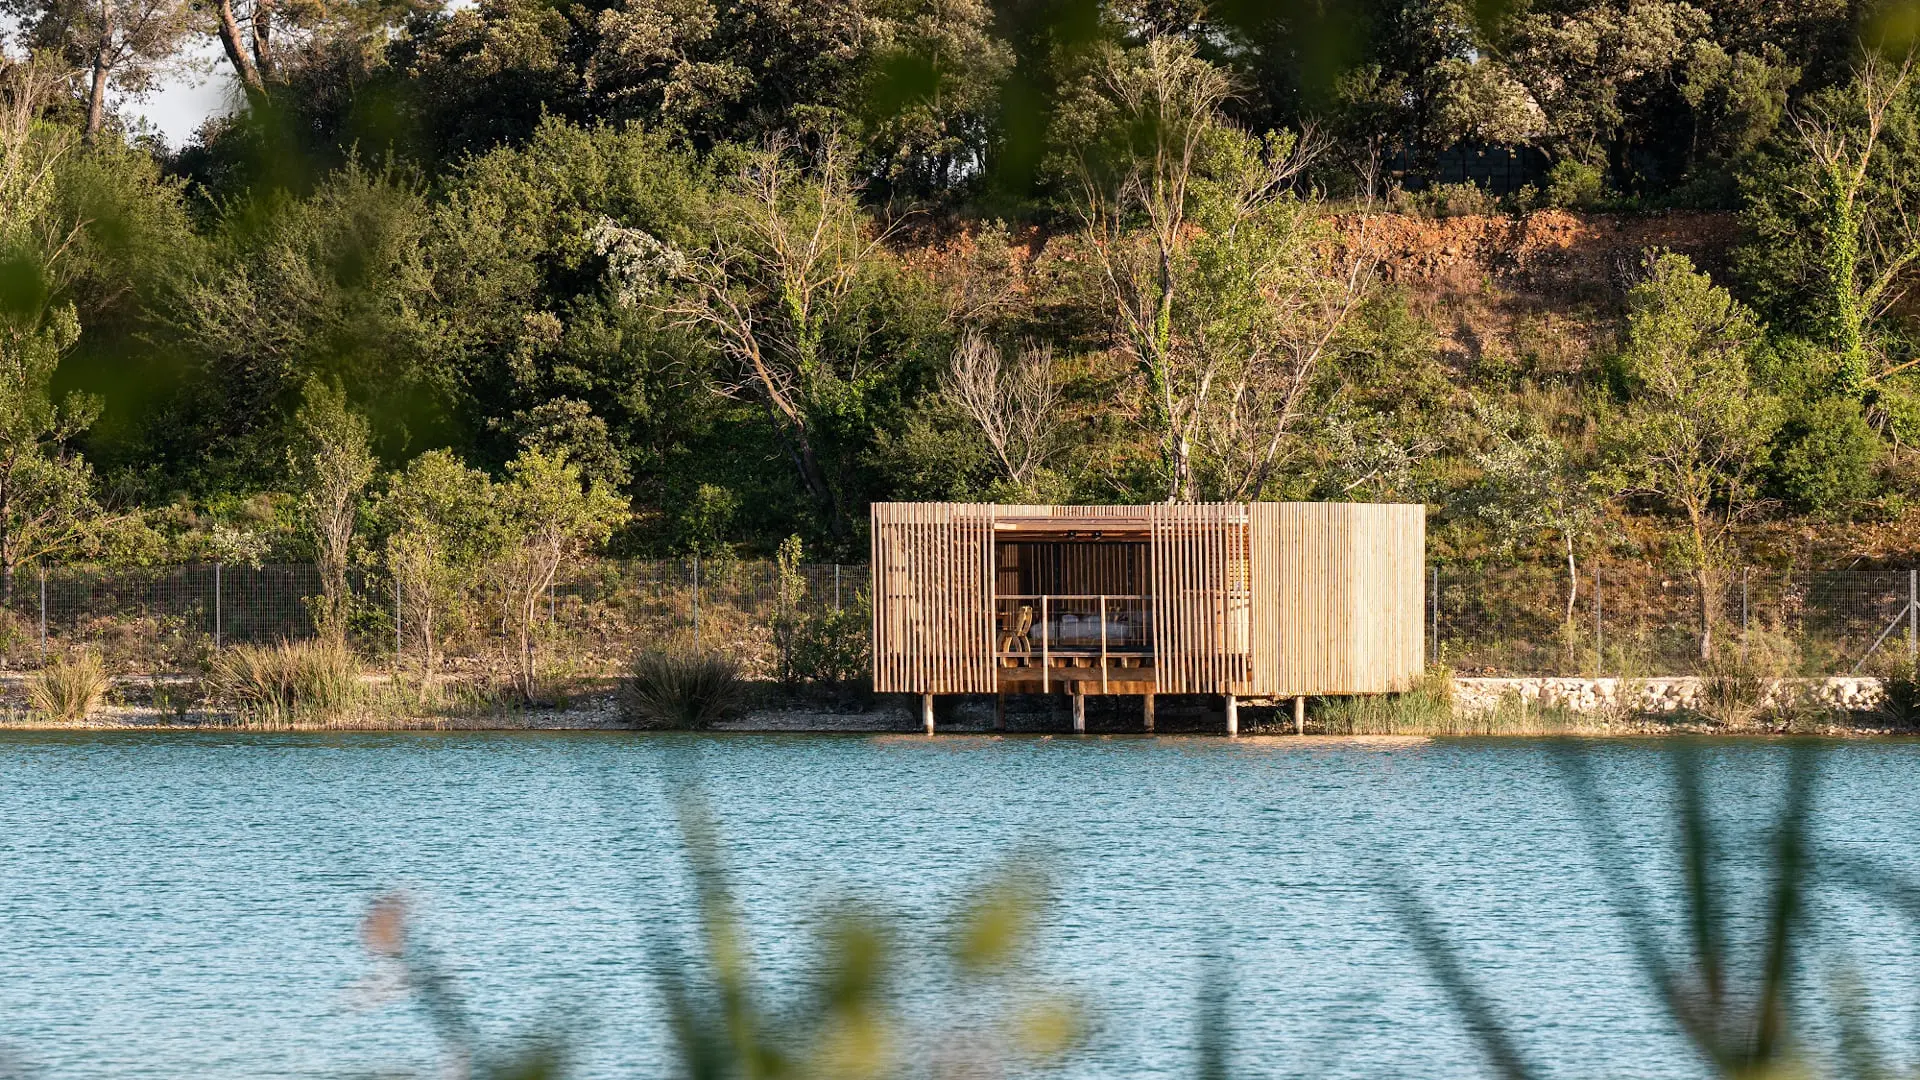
{"points": [[294, 682], [681, 691], [1429, 709], [69, 689]]}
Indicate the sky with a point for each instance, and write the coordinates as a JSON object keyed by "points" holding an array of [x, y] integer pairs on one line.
{"points": [[187, 96]]}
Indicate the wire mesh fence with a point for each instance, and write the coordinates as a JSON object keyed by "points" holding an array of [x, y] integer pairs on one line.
{"points": [[597, 614], [1531, 620], [1510, 619]]}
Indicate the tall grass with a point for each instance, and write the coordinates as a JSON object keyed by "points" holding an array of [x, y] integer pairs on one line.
{"points": [[681, 691], [303, 682], [68, 690], [1429, 709]]}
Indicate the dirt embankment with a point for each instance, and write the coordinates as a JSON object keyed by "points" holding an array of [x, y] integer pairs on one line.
{"points": [[1545, 250]]}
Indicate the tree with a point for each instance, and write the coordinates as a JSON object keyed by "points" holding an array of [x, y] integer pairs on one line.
{"points": [[119, 43], [1694, 430], [331, 463], [776, 292], [46, 501], [1015, 402], [547, 518], [1207, 259], [1866, 251], [438, 516], [1531, 487]]}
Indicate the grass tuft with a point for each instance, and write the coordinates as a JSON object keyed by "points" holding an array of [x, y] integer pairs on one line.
{"points": [[681, 691], [304, 682], [68, 690]]}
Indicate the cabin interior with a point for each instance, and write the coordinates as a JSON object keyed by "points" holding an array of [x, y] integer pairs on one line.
{"points": [[1074, 606]]}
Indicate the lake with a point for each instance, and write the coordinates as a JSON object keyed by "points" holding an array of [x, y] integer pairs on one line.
{"points": [[188, 904]]}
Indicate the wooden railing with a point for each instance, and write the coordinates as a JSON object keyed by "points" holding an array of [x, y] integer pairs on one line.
{"points": [[1074, 627]]}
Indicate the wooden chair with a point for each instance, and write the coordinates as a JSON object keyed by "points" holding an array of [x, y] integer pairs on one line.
{"points": [[1018, 631]]}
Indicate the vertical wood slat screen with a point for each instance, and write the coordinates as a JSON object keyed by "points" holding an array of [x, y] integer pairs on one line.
{"points": [[1339, 600], [933, 621], [1200, 597]]}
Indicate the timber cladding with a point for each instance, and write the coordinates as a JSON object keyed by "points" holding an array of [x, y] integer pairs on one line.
{"points": [[1258, 600]]}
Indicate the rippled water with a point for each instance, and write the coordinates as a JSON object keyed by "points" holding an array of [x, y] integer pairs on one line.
{"points": [[187, 904]]}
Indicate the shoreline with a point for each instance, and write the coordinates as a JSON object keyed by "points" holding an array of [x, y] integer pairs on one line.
{"points": [[600, 713]]}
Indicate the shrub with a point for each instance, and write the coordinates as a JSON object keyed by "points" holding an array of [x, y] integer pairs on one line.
{"points": [[1574, 186], [830, 648], [681, 692], [1447, 201], [292, 682], [67, 691], [1826, 457]]}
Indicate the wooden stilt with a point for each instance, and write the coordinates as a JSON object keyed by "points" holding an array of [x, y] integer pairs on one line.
{"points": [[1146, 711], [1079, 711], [1233, 715], [926, 712], [1299, 715], [999, 712]]}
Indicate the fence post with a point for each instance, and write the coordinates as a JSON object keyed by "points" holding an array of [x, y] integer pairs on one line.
{"points": [[696, 600], [43, 612], [396, 623], [1434, 656], [1599, 644], [1913, 620], [1745, 572], [216, 607], [836, 586]]}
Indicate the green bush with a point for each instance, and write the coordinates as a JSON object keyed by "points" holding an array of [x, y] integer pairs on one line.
{"points": [[1825, 457], [67, 691], [292, 682], [1447, 201], [830, 649], [680, 692], [1572, 185]]}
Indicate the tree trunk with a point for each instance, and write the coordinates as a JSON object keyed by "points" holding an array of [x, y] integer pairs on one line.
{"points": [[6, 584], [238, 53], [97, 96], [1573, 578], [263, 37]]}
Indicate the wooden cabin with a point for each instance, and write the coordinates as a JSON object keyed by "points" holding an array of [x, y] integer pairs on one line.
{"points": [[1260, 600]]}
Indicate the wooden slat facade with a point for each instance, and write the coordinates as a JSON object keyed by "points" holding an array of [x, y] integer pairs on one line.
{"points": [[1257, 600]]}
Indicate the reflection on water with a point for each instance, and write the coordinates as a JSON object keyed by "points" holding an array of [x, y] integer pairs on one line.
{"points": [[190, 904]]}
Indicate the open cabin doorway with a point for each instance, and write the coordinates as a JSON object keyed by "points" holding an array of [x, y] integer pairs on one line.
{"points": [[1074, 606]]}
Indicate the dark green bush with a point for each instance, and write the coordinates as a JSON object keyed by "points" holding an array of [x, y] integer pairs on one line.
{"points": [[684, 692], [1825, 457]]}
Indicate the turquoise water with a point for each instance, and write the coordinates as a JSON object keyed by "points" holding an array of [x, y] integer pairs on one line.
{"points": [[187, 905]]}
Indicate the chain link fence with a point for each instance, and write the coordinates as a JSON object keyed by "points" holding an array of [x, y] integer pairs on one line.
{"points": [[1499, 620]]}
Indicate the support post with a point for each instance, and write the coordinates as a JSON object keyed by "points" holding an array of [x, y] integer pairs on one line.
{"points": [[1046, 647], [1233, 716], [1913, 620], [926, 712], [1000, 711], [696, 614], [1744, 571], [216, 607], [1299, 714], [396, 625], [1079, 710], [1146, 711], [836, 586], [1103, 644], [43, 613]]}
